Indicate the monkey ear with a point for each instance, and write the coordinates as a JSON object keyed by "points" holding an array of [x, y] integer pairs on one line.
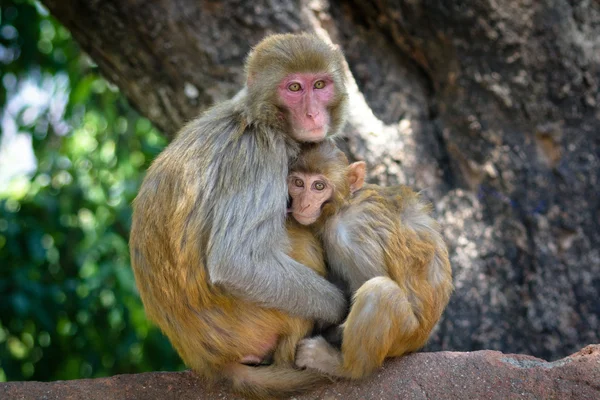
{"points": [[356, 175]]}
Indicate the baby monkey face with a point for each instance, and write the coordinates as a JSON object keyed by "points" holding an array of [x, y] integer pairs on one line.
{"points": [[308, 192]]}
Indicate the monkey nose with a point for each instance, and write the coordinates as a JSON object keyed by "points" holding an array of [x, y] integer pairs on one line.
{"points": [[312, 114]]}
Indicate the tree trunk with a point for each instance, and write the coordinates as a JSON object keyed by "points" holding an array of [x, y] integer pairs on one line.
{"points": [[488, 106]]}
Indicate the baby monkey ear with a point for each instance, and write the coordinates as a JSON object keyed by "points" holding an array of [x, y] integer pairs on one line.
{"points": [[356, 175]]}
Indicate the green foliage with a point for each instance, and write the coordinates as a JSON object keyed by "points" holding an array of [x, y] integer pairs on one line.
{"points": [[68, 304]]}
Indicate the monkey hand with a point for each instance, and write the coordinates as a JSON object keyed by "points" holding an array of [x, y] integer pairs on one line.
{"points": [[324, 302], [337, 308], [319, 300]]}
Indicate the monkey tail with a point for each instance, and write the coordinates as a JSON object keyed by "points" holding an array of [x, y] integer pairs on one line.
{"points": [[272, 381]]}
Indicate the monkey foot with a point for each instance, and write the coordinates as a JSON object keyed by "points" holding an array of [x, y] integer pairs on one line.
{"points": [[316, 353]]}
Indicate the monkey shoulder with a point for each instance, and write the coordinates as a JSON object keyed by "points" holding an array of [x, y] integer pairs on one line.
{"points": [[219, 124], [196, 143], [409, 210], [362, 216], [222, 141], [371, 198]]}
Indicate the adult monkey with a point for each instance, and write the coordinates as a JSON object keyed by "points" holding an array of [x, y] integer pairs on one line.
{"points": [[208, 240], [384, 244]]}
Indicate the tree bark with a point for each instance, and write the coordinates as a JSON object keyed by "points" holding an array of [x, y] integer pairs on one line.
{"points": [[488, 106]]}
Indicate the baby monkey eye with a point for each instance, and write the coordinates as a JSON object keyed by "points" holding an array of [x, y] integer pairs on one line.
{"points": [[319, 84], [294, 87], [298, 182], [319, 186]]}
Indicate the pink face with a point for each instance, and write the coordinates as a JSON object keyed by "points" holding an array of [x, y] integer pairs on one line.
{"points": [[307, 96], [308, 192]]}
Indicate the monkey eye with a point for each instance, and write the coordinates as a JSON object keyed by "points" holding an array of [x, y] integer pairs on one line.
{"points": [[298, 182], [319, 84], [294, 87], [319, 186]]}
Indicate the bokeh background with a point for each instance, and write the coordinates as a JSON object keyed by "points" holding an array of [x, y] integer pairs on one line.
{"points": [[71, 159]]}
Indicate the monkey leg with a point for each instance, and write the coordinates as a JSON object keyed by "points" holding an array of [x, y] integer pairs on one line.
{"points": [[380, 318], [216, 342]]}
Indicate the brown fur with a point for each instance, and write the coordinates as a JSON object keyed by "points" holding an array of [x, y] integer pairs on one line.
{"points": [[230, 328], [385, 244]]}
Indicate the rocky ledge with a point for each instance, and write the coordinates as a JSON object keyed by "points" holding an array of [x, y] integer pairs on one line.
{"points": [[443, 375]]}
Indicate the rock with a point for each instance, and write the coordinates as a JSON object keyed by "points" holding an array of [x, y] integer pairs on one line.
{"points": [[444, 375]]}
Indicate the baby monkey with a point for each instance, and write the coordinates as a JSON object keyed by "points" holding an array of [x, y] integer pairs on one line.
{"points": [[384, 245]]}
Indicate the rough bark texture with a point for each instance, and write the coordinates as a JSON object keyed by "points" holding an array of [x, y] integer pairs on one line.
{"points": [[489, 106], [444, 375]]}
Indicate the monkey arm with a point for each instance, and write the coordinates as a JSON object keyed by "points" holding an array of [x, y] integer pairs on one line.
{"points": [[284, 284], [248, 242], [251, 264], [353, 248]]}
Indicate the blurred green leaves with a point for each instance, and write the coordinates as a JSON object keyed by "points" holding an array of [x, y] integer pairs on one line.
{"points": [[68, 303]]}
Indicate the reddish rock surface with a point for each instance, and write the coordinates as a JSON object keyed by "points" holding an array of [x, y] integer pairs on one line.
{"points": [[444, 375]]}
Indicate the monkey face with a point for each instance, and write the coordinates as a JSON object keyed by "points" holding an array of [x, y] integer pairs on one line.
{"points": [[306, 97], [308, 192]]}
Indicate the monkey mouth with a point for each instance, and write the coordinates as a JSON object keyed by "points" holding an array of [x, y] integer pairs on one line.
{"points": [[317, 131], [305, 219], [313, 134]]}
